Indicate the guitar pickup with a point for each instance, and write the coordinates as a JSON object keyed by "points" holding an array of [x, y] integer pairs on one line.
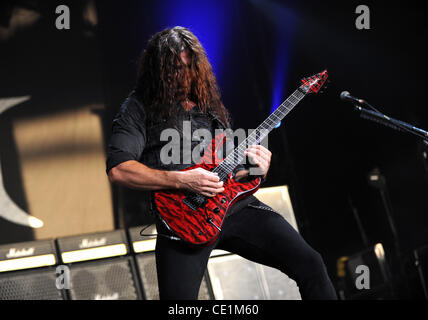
{"points": [[195, 201]]}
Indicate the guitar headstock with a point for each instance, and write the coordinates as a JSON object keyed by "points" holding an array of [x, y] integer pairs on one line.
{"points": [[313, 84]]}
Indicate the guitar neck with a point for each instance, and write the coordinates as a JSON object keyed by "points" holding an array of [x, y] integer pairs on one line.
{"points": [[234, 158]]}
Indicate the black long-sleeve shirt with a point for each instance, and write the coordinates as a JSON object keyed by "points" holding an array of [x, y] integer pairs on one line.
{"points": [[134, 139]]}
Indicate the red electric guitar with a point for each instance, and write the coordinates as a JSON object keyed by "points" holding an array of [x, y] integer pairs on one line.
{"points": [[197, 219]]}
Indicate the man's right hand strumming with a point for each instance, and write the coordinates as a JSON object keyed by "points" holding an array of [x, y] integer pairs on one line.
{"points": [[200, 181], [136, 175]]}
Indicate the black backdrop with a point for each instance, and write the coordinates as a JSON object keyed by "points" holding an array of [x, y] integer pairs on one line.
{"points": [[324, 150]]}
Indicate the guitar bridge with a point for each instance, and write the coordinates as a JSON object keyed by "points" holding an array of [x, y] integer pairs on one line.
{"points": [[195, 201]]}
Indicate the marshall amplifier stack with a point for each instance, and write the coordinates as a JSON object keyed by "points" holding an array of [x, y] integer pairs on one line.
{"points": [[100, 267], [27, 271], [121, 265]]}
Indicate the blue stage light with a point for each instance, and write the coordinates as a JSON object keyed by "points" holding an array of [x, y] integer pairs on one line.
{"points": [[285, 20], [207, 19]]}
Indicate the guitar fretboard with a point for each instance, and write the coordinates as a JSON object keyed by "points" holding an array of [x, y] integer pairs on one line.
{"points": [[234, 158]]}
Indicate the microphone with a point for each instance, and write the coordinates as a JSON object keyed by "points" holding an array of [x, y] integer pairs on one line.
{"points": [[377, 116], [346, 96]]}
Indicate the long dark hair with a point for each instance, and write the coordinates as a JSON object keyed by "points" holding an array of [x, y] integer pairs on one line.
{"points": [[161, 75]]}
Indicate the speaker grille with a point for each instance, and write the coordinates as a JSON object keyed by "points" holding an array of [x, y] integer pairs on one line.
{"points": [[110, 279], [147, 268], [278, 286], [29, 285], [235, 278]]}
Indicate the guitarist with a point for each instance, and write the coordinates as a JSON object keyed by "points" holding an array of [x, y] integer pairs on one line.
{"points": [[175, 84]]}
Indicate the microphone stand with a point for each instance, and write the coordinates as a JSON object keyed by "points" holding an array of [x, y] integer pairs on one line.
{"points": [[376, 116]]}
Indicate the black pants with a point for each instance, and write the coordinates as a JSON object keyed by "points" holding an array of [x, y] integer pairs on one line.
{"points": [[256, 234]]}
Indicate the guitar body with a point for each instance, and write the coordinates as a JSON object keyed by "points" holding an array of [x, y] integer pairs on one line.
{"points": [[203, 225], [197, 219]]}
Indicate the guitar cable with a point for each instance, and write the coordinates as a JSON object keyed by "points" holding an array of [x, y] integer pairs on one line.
{"points": [[208, 219], [157, 234], [154, 213]]}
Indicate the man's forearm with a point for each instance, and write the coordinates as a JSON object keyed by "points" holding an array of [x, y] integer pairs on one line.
{"points": [[136, 175]]}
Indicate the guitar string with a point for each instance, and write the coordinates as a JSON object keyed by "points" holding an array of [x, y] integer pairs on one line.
{"points": [[271, 123], [229, 164]]}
